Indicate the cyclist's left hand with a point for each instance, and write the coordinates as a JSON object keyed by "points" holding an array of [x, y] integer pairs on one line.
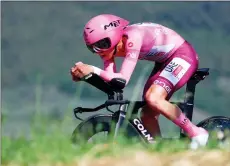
{"points": [[80, 70]]}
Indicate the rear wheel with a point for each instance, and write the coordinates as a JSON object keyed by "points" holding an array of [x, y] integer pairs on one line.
{"points": [[215, 123], [217, 126]]}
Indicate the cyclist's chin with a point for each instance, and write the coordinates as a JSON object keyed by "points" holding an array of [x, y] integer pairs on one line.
{"points": [[107, 55]]}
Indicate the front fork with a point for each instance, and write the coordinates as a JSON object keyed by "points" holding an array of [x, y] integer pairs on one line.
{"points": [[121, 119]]}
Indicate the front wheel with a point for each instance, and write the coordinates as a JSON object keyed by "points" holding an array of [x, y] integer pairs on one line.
{"points": [[99, 128], [86, 130]]}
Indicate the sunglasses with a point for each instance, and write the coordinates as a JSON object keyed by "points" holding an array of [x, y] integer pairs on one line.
{"points": [[100, 46]]}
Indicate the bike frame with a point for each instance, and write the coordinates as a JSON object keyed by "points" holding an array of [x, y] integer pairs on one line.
{"points": [[115, 97], [186, 107]]}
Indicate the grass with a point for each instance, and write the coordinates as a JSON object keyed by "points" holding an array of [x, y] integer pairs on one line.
{"points": [[48, 144]]}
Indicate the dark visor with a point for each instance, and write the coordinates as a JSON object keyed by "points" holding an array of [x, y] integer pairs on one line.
{"points": [[100, 45]]}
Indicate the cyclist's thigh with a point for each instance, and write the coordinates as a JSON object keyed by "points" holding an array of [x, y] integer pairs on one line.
{"points": [[176, 71], [154, 74]]}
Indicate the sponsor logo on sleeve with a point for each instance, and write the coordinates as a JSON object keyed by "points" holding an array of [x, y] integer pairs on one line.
{"points": [[132, 55], [130, 44]]}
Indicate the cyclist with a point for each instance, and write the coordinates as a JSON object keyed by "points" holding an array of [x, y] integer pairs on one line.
{"points": [[175, 59]]}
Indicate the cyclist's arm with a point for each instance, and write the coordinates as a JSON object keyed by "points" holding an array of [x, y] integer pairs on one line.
{"points": [[127, 66], [110, 66], [126, 71]]}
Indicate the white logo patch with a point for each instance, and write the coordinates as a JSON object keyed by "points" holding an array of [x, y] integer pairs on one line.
{"points": [[175, 70], [163, 49]]}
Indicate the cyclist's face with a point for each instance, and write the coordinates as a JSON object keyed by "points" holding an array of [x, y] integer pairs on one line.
{"points": [[107, 55]]}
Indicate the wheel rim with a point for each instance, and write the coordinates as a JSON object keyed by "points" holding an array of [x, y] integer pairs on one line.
{"points": [[99, 137]]}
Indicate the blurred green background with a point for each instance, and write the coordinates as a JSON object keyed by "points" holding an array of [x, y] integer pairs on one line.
{"points": [[41, 41]]}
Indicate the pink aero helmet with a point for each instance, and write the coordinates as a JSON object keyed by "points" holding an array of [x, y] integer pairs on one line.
{"points": [[103, 32]]}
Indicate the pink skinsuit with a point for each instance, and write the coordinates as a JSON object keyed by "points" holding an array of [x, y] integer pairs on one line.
{"points": [[175, 58]]}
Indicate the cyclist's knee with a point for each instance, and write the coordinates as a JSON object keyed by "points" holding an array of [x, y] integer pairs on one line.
{"points": [[151, 99], [154, 96]]}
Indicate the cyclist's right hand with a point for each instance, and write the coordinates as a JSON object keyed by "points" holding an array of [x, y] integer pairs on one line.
{"points": [[76, 79], [73, 70]]}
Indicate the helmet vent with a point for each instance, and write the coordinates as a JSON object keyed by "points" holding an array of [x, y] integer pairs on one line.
{"points": [[89, 29]]}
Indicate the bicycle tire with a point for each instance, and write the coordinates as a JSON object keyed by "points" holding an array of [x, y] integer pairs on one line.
{"points": [[88, 128], [215, 123]]}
